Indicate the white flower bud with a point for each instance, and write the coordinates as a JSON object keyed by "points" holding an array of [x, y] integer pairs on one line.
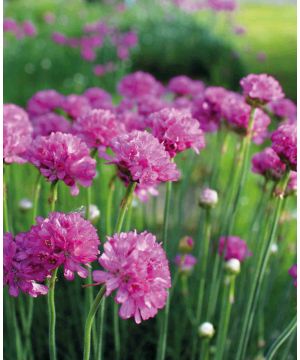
{"points": [[233, 266], [94, 212], [206, 330], [273, 248], [25, 204], [208, 198]]}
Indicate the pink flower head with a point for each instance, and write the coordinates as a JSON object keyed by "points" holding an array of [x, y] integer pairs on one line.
{"points": [[293, 273], [185, 262], [183, 103], [10, 25], [88, 53], [222, 5], [284, 142], [139, 84], [63, 157], [98, 98], [137, 268], [292, 184], [59, 38], [50, 122], [64, 239], [99, 70], [17, 133], [239, 30], [141, 158], [207, 108], [186, 244], [76, 105], [122, 52], [129, 39], [131, 120], [49, 17], [183, 86], [268, 164], [29, 28], [284, 108], [147, 105], [97, 128], [19, 272], [177, 130], [262, 88], [44, 101], [236, 248]]}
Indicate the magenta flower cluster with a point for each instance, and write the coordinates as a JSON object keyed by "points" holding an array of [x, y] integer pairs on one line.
{"points": [[232, 247], [19, 30]]}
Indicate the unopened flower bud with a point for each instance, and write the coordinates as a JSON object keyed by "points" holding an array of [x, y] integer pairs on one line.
{"points": [[206, 330], [233, 266], [186, 244], [94, 212], [208, 198], [25, 204], [273, 248]]}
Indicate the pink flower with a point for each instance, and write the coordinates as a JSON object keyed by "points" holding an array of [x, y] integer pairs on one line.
{"points": [[239, 30], [236, 248], [19, 272], [131, 120], [59, 38], [10, 25], [63, 157], [137, 268], [64, 239], [292, 184], [122, 52], [76, 105], [144, 192], [284, 108], [186, 244], [29, 28], [293, 273], [261, 87], [284, 142], [99, 70], [49, 17], [98, 98], [141, 158], [17, 133], [97, 128], [44, 101], [182, 85], [222, 5], [50, 122], [185, 262], [129, 39], [268, 164], [88, 53], [147, 105], [177, 131], [139, 84]]}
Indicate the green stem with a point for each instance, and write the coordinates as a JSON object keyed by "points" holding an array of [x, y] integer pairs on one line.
{"points": [[53, 196], [164, 326], [287, 332], [89, 323], [204, 353], [52, 316], [36, 196], [101, 330], [259, 270], [16, 329], [202, 259], [111, 189], [228, 299]]}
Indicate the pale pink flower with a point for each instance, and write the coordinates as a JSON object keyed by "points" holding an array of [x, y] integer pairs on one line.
{"points": [[185, 262], [99, 98], [137, 268], [50, 122], [44, 101]]}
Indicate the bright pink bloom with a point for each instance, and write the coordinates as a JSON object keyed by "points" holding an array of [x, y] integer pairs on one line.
{"points": [[284, 108], [293, 273], [185, 262], [222, 5], [183, 85], [59, 38], [10, 25], [141, 158], [63, 157], [147, 105], [76, 105], [98, 98], [186, 244], [88, 53], [137, 268], [50, 122], [64, 239], [268, 164], [139, 84], [17, 133], [236, 248], [261, 87], [19, 272], [129, 39], [284, 142], [97, 128], [183, 103], [29, 28], [177, 131], [131, 120], [44, 101]]}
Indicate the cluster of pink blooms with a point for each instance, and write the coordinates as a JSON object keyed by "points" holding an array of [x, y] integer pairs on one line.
{"points": [[65, 240], [232, 247], [268, 164], [19, 30], [197, 5], [137, 268], [94, 37]]}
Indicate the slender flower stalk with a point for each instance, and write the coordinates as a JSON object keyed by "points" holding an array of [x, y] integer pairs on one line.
{"points": [[227, 301], [260, 266], [287, 332], [5, 211], [161, 350], [202, 259], [51, 292]]}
